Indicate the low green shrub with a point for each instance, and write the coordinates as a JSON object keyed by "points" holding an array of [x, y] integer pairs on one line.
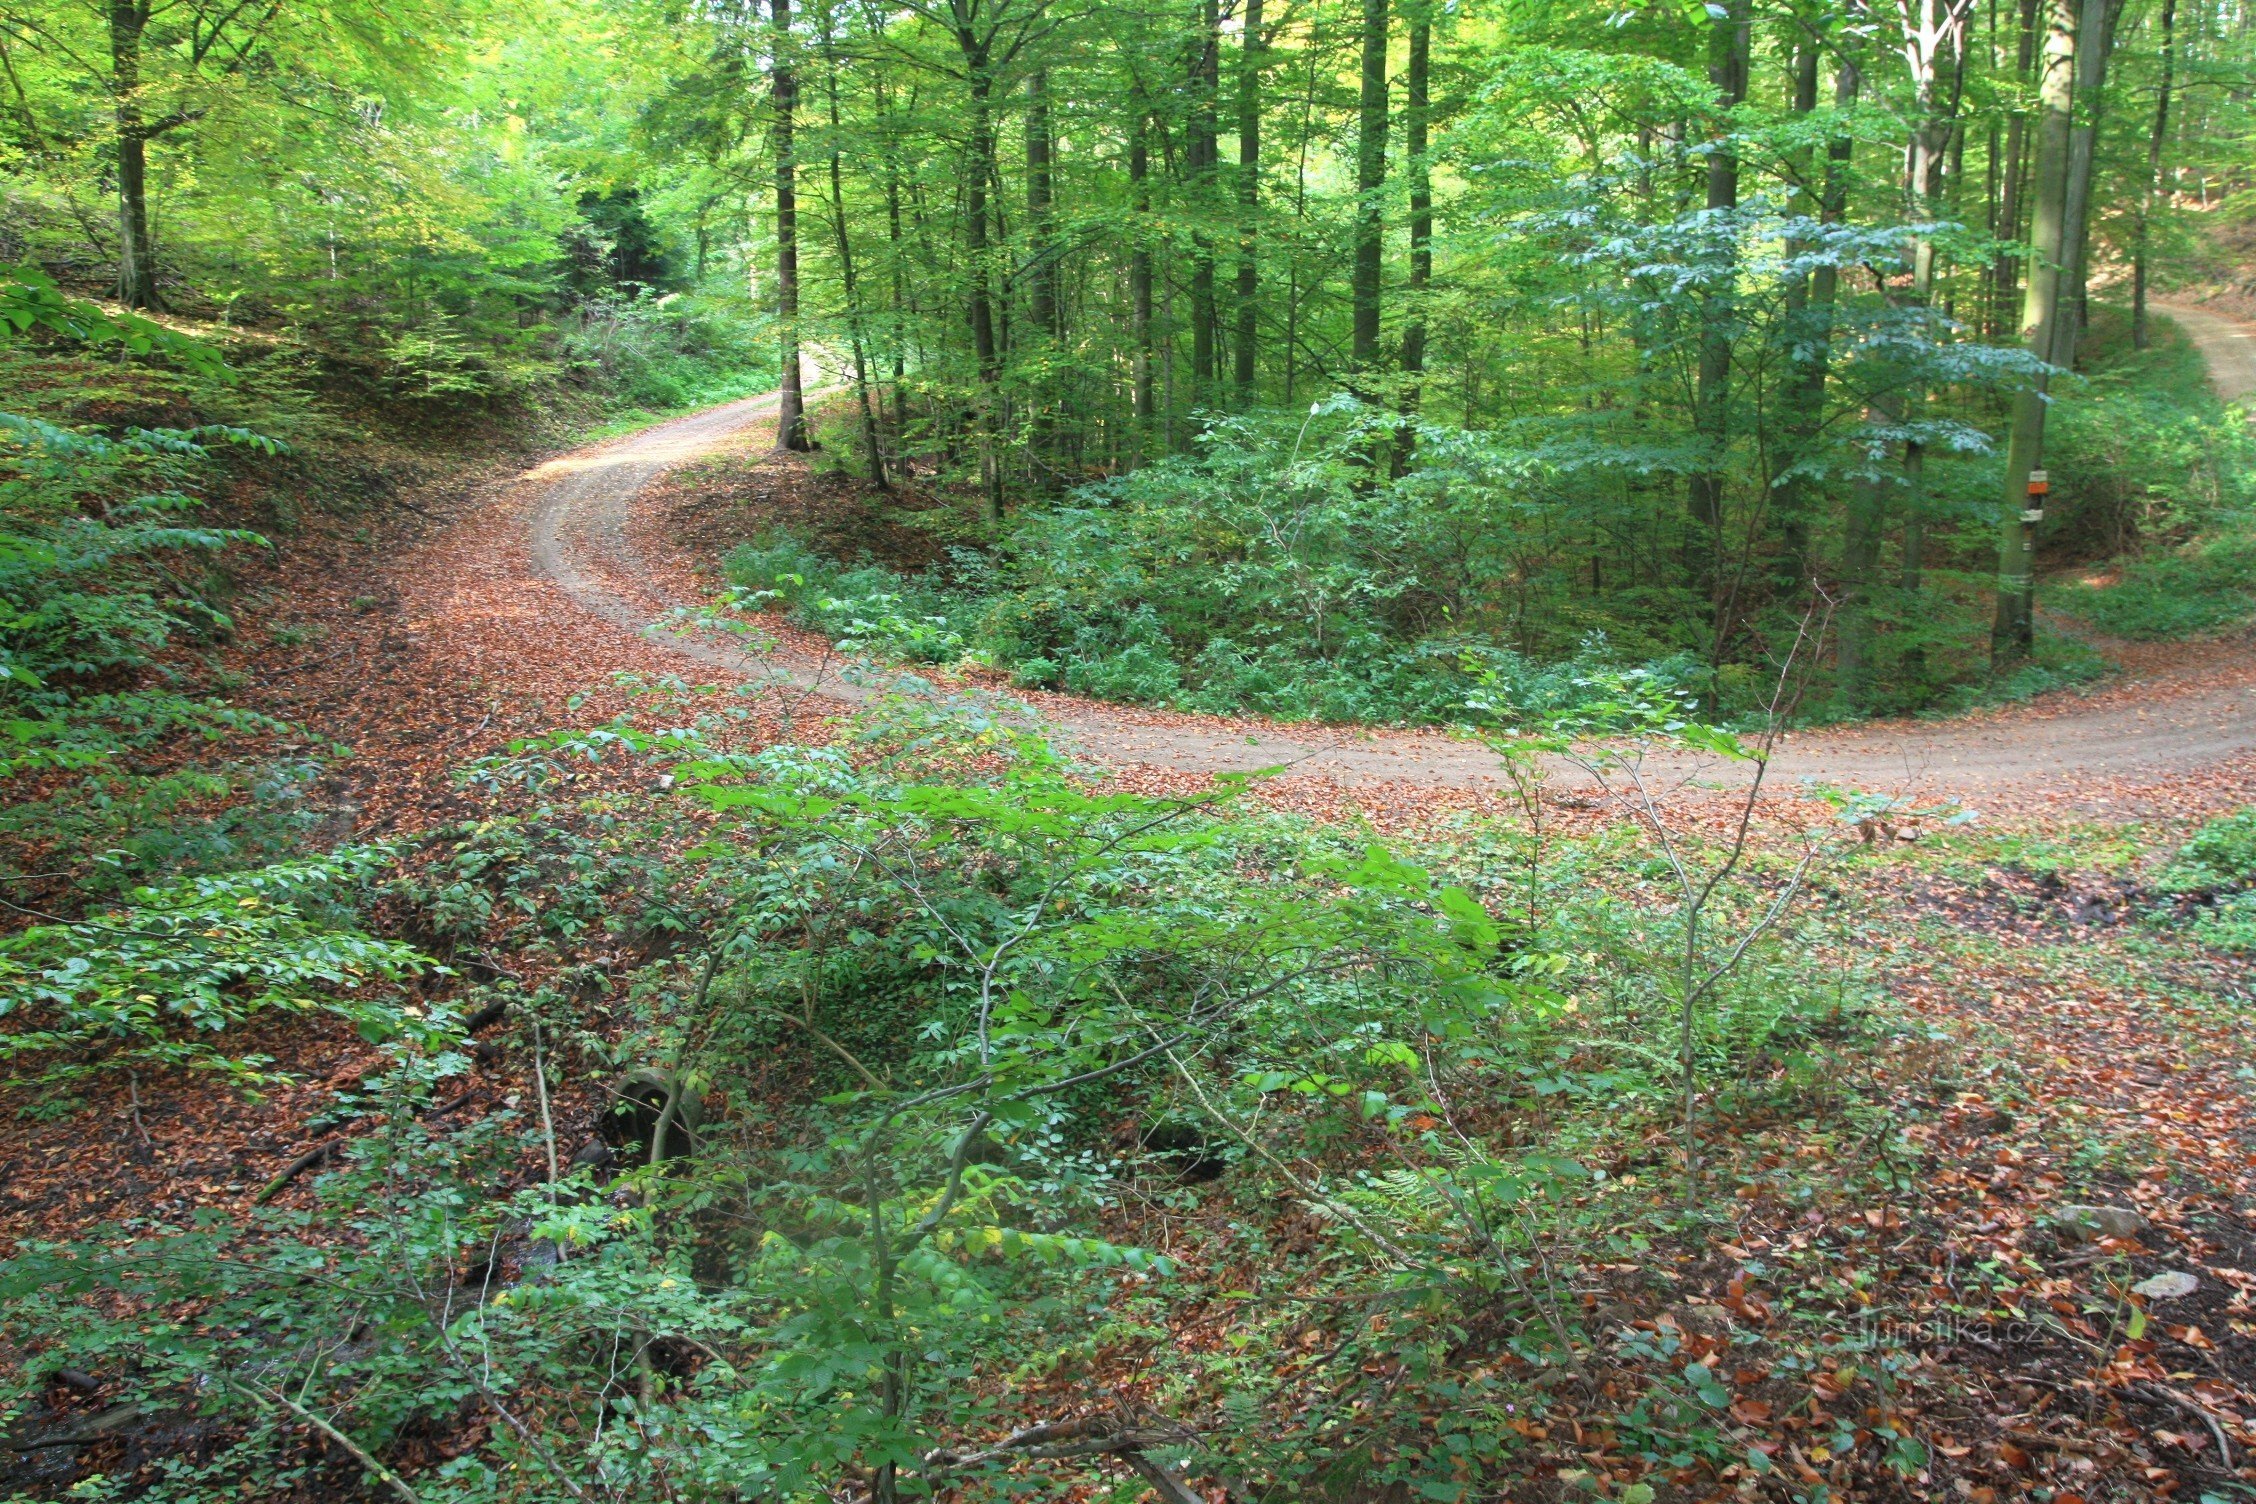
{"points": [[1097, 634], [2221, 857], [668, 351], [2207, 585], [157, 981]]}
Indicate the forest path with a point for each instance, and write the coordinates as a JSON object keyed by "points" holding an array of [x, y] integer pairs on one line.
{"points": [[2226, 344], [2183, 723]]}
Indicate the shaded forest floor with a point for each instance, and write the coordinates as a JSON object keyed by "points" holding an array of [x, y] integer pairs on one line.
{"points": [[1891, 1262]]}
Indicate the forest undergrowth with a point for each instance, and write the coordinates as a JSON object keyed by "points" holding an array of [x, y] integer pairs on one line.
{"points": [[1266, 572], [830, 1115], [705, 1098]]}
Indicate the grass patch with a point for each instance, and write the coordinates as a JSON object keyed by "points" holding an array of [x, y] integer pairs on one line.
{"points": [[2202, 588]]}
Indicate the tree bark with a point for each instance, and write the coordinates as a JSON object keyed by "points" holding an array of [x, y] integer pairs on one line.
{"points": [[2153, 173], [2004, 276], [137, 257], [873, 446], [791, 413], [1809, 331], [1370, 179], [899, 279], [2012, 634], [1249, 200], [1860, 550], [1728, 38], [1416, 119], [1203, 158], [1140, 281], [980, 171], [1042, 280], [1940, 25], [2095, 42]]}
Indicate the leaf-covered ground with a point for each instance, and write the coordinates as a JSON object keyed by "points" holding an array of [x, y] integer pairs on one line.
{"points": [[1890, 1308]]}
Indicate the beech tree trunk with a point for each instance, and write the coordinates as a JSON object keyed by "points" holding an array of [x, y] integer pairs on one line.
{"points": [[872, 445], [1711, 403], [2095, 42], [1416, 120], [1249, 200], [894, 250], [1939, 27], [1140, 282], [2012, 634], [1201, 152], [791, 407], [2153, 173], [2004, 276], [1370, 179], [1042, 276], [986, 351], [137, 256], [1810, 330]]}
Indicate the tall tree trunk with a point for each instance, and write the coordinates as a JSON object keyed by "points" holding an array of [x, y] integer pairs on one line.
{"points": [[1042, 269], [2004, 272], [2095, 42], [137, 256], [2154, 145], [894, 254], [1140, 280], [2012, 635], [1203, 157], [1860, 545], [1370, 179], [986, 351], [791, 404], [873, 447], [1300, 218], [1728, 37], [1416, 117], [1940, 24], [1808, 342], [1042, 279], [1249, 199]]}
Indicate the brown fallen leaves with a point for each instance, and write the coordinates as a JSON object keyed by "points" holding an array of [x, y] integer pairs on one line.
{"points": [[2060, 1060]]}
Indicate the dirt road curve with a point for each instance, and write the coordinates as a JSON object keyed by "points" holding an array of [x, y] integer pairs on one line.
{"points": [[2227, 344], [2188, 718]]}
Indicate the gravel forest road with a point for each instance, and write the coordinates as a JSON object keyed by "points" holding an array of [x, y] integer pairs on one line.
{"points": [[2183, 714], [2226, 344]]}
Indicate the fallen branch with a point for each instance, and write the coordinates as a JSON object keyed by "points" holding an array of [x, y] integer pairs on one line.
{"points": [[486, 1017], [318, 1154], [2171, 1397], [1087, 1436], [369, 1464], [107, 1423]]}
